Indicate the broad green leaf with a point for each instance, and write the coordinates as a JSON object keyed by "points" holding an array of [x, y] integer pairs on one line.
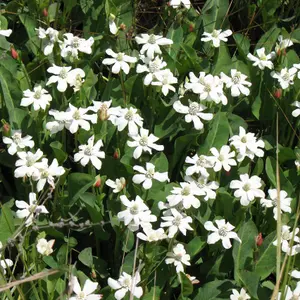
{"points": [[243, 44], [86, 257], [214, 289], [250, 281], [86, 5], [59, 154], [268, 40], [175, 33], [222, 61], [186, 285], [7, 226], [195, 246]]}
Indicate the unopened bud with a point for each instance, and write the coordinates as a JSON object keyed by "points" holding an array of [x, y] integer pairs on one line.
{"points": [[6, 129], [45, 12], [122, 27], [117, 154], [259, 239], [97, 182], [14, 53], [191, 28], [93, 274], [278, 93], [102, 113]]}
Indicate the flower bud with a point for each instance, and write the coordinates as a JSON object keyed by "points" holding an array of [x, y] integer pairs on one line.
{"points": [[14, 53], [259, 239], [6, 129], [278, 93], [122, 27], [117, 154], [45, 12], [97, 182], [191, 28], [93, 274]]}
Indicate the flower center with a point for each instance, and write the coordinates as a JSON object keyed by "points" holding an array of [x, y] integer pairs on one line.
{"points": [[285, 235], [201, 161], [185, 191], [263, 57], [77, 115], [75, 42], [247, 187], [63, 73], [221, 157], [286, 77], [215, 34], [177, 221], [244, 139], [144, 141], [127, 283], [150, 174], [154, 66], [237, 78], [152, 39], [32, 208], [134, 210], [194, 108], [120, 56], [17, 138], [81, 296], [222, 232], [201, 183], [129, 116], [30, 161], [274, 202], [88, 150], [45, 174], [207, 88], [37, 94]]}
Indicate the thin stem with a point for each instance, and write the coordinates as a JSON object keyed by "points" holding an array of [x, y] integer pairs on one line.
{"points": [[133, 271], [123, 88]]}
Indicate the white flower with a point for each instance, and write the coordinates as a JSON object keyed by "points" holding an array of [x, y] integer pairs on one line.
{"points": [[237, 83], [26, 165], [176, 3], [5, 32], [61, 119], [77, 117], [119, 61], [112, 25], [85, 293], [285, 77], [223, 232], [44, 247], [90, 153], [199, 165], [283, 44], [47, 173], [193, 112], [4, 263], [295, 274], [195, 83], [216, 36], [49, 37], [247, 144], [242, 295], [16, 142], [289, 294], [117, 185], [147, 175], [165, 79], [178, 257], [151, 235], [223, 159], [263, 60], [123, 117], [151, 43], [64, 76], [296, 112], [126, 284], [150, 66], [185, 194], [137, 213], [144, 143], [206, 187], [297, 66], [29, 211], [247, 189], [285, 203], [72, 44], [39, 98], [103, 109], [175, 222]]}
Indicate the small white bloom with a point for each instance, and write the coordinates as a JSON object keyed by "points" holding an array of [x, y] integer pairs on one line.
{"points": [[263, 60], [26, 165], [103, 109], [17, 143], [195, 83], [247, 144], [177, 3], [152, 235], [61, 119], [283, 44], [289, 294], [112, 25], [285, 202], [223, 232], [44, 247], [216, 36], [151, 43], [144, 142], [78, 117], [178, 257], [146, 176], [47, 173], [236, 83], [193, 112], [31, 210], [123, 117], [199, 165], [119, 61], [242, 295], [175, 222], [165, 79], [296, 112], [5, 32], [185, 195], [90, 153], [297, 66], [223, 159], [295, 274], [64, 76], [87, 292], [39, 97], [137, 213], [247, 189], [49, 37], [72, 44], [117, 185], [126, 284], [285, 77]]}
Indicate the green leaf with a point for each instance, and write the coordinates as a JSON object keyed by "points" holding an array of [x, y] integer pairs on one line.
{"points": [[86, 257], [268, 40], [175, 33], [243, 44], [86, 5], [243, 252], [195, 246], [59, 154], [211, 290], [186, 285], [7, 226], [250, 281], [223, 61]]}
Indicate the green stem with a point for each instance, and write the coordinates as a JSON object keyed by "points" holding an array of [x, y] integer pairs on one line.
{"points": [[26, 75], [123, 88]]}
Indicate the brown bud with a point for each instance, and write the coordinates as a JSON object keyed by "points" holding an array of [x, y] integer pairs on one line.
{"points": [[259, 239], [45, 12], [278, 93], [6, 129], [116, 154], [122, 27], [97, 182], [191, 28], [14, 53], [93, 274]]}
